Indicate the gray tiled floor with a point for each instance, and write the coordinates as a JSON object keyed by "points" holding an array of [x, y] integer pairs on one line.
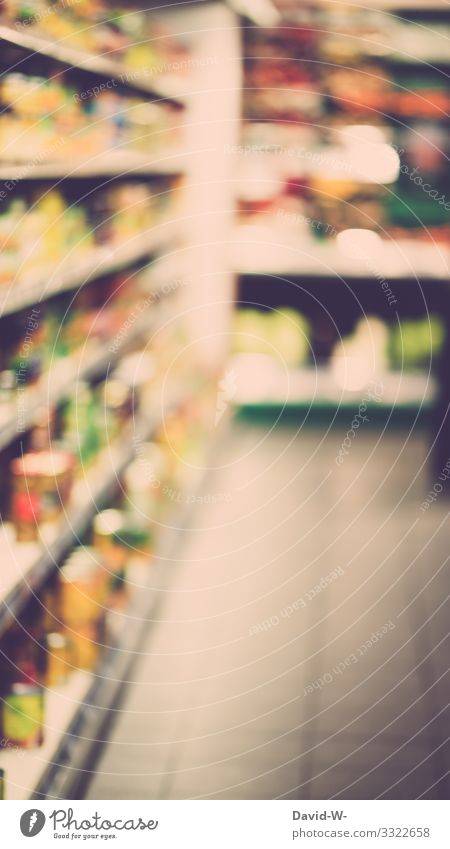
{"points": [[225, 706]]}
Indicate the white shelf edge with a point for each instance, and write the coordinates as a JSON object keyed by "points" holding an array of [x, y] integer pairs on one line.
{"points": [[105, 260], [110, 165], [418, 390], [324, 260], [310, 272], [161, 88]]}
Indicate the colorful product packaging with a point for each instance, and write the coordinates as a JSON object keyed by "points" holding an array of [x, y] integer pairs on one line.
{"points": [[42, 483], [23, 716]]}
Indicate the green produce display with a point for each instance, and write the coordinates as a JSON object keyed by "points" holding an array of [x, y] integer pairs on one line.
{"points": [[283, 334], [415, 344]]}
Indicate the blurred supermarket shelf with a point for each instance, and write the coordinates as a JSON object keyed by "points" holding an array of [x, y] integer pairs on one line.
{"points": [[169, 163], [76, 715], [260, 380], [74, 272], [27, 565], [86, 700], [265, 249], [410, 45], [78, 712], [164, 88], [79, 732], [94, 361]]}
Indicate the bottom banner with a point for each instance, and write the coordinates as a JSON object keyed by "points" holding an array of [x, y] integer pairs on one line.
{"points": [[209, 824]]}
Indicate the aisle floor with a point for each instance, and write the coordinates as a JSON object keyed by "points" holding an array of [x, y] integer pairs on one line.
{"points": [[263, 675]]}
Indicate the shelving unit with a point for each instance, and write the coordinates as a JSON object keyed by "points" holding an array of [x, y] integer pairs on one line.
{"points": [[77, 714], [87, 698], [80, 712], [338, 294], [307, 168]]}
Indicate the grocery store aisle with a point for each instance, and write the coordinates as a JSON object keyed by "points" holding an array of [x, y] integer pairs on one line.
{"points": [[300, 650]]}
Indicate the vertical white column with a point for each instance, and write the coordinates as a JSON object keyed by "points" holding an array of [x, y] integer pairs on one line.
{"points": [[214, 108]]}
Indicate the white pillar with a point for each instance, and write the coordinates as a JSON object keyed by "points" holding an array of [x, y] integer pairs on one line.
{"points": [[213, 125]]}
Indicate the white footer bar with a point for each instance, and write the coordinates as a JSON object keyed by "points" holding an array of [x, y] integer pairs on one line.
{"points": [[226, 824]]}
